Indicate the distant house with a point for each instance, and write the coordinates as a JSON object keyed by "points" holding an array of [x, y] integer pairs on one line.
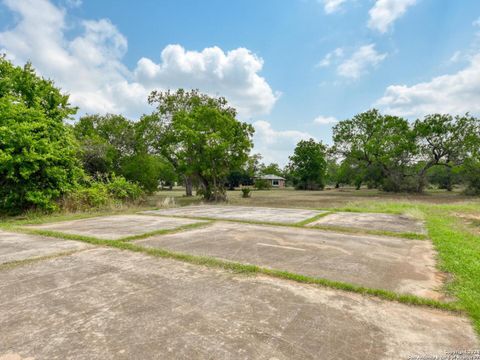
{"points": [[275, 180]]}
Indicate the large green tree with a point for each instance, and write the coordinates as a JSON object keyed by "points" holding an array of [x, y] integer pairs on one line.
{"points": [[381, 146], [308, 165], [443, 141], [38, 160], [200, 136]]}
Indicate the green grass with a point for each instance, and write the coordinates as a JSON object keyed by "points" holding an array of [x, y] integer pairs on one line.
{"points": [[459, 254], [302, 224], [251, 269], [312, 219]]}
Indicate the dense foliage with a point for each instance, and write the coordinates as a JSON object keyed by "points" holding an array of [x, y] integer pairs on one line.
{"points": [[38, 160], [200, 136], [111, 192], [196, 139]]}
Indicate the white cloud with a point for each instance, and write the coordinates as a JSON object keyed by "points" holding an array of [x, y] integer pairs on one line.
{"points": [[331, 6], [384, 13], [361, 60], [233, 74], [331, 56], [455, 93], [325, 120], [276, 145], [90, 66]]}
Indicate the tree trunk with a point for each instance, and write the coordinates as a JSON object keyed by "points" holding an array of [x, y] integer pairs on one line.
{"points": [[188, 186]]}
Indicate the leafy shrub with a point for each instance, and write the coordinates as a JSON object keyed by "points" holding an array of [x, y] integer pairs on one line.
{"points": [[121, 189], [261, 184], [97, 194], [246, 192], [37, 151]]}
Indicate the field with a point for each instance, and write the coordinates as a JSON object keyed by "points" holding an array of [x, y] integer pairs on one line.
{"points": [[301, 262]]}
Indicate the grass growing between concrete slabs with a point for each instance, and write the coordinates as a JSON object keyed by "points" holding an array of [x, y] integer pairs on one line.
{"points": [[248, 269], [15, 263], [312, 219], [458, 248], [302, 224], [167, 231], [36, 218]]}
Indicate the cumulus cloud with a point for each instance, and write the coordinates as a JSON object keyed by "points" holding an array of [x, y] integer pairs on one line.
{"points": [[233, 74], [325, 120], [455, 93], [361, 60], [331, 6], [90, 66], [276, 145], [384, 13]]}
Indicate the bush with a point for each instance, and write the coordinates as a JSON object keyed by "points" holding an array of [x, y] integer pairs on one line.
{"points": [[37, 151], [121, 189], [97, 195], [261, 184], [246, 192]]}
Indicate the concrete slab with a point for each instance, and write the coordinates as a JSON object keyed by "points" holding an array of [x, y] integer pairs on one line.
{"points": [[108, 304], [246, 213], [15, 247], [117, 226], [372, 221], [405, 266]]}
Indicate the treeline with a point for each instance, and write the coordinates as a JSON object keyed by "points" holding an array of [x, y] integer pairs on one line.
{"points": [[46, 162], [393, 154], [49, 159]]}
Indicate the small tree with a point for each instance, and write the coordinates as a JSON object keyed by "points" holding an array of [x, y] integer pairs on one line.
{"points": [[308, 165], [37, 151]]}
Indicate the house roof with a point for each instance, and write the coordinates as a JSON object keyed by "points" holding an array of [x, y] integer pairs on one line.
{"points": [[270, 177]]}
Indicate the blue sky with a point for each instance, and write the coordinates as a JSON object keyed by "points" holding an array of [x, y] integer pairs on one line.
{"points": [[292, 67]]}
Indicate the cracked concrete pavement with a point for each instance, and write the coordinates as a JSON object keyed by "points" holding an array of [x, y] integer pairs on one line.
{"points": [[401, 265], [105, 303], [245, 213], [116, 226]]}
